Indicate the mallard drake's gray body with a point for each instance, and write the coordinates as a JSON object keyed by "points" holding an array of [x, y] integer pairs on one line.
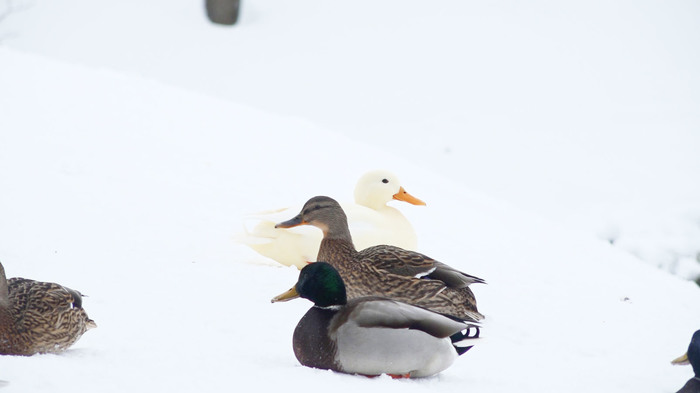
{"points": [[385, 270], [39, 317], [371, 335], [691, 357]]}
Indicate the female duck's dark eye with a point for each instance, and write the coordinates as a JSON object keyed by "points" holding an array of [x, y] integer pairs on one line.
{"points": [[385, 181]]}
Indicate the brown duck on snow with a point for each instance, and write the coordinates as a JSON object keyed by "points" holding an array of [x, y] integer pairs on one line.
{"points": [[39, 317], [386, 270]]}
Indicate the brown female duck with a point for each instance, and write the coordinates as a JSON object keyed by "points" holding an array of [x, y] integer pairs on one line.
{"points": [[39, 317], [386, 270]]}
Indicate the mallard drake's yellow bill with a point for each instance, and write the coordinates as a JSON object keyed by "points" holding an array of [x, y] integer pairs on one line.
{"points": [[289, 295], [402, 195], [681, 360], [296, 221]]}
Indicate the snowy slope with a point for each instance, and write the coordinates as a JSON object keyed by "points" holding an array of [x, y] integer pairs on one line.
{"points": [[130, 190], [584, 112], [134, 137]]}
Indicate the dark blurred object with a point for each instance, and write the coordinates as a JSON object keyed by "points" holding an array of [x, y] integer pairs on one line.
{"points": [[223, 12]]}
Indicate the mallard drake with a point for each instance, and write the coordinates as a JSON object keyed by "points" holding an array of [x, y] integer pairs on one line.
{"points": [[39, 317], [387, 270], [692, 357], [371, 335], [371, 220]]}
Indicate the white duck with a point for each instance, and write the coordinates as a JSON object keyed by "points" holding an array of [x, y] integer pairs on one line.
{"points": [[371, 223]]}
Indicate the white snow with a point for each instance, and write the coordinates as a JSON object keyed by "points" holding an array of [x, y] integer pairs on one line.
{"points": [[135, 136]]}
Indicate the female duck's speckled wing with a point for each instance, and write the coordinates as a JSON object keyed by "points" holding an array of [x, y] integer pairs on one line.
{"points": [[410, 263], [363, 279], [41, 297]]}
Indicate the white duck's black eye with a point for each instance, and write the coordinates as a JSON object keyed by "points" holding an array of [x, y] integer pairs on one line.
{"points": [[385, 181]]}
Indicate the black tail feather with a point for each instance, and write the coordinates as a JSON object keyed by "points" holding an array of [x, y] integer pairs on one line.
{"points": [[77, 298], [470, 333]]}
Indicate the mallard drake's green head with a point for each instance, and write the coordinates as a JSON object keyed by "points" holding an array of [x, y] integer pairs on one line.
{"points": [[320, 283], [692, 357], [324, 213]]}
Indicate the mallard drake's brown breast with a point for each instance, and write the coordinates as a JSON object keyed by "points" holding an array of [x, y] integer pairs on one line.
{"points": [[386, 270], [39, 317]]}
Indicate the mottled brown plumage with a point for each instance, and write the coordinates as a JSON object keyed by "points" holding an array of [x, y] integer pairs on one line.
{"points": [[39, 317], [386, 270]]}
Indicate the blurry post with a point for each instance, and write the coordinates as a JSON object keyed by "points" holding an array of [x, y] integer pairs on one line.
{"points": [[223, 12]]}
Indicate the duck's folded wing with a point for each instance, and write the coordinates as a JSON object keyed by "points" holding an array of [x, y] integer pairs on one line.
{"points": [[41, 298], [398, 261], [452, 277], [413, 264], [386, 313]]}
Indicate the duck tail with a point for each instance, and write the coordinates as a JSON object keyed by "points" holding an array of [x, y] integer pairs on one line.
{"points": [[259, 235], [465, 340], [77, 297]]}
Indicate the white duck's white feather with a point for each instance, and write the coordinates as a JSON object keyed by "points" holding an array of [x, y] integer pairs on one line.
{"points": [[371, 223]]}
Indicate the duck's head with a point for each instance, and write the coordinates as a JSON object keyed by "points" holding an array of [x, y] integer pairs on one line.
{"points": [[691, 357], [376, 188], [324, 213], [318, 282]]}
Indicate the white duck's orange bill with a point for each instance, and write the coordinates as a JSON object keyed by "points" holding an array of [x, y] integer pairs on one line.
{"points": [[402, 195]]}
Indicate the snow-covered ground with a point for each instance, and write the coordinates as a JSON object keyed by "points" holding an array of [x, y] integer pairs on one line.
{"points": [[134, 136], [586, 113]]}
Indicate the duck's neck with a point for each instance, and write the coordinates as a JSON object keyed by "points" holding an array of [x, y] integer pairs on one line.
{"points": [[336, 245], [5, 317], [372, 203], [6, 320], [338, 229], [335, 251], [4, 290]]}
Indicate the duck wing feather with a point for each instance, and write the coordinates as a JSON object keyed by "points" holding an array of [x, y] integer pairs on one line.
{"points": [[370, 312], [403, 262]]}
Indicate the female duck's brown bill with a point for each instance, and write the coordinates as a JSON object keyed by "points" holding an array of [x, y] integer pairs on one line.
{"points": [[296, 221]]}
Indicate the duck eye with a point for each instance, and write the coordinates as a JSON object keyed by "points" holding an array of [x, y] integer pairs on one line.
{"points": [[385, 181]]}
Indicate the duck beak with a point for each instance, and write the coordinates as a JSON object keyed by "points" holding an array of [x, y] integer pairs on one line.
{"points": [[681, 360], [289, 295], [296, 221], [402, 195]]}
